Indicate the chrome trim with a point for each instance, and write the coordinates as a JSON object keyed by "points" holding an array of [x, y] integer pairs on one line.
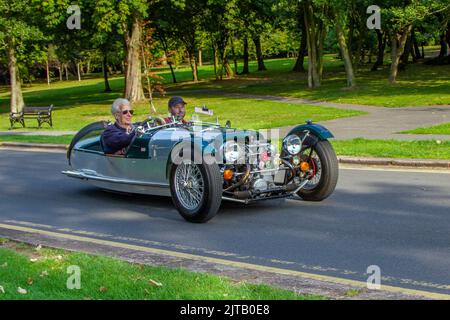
{"points": [[89, 175], [235, 200], [300, 186]]}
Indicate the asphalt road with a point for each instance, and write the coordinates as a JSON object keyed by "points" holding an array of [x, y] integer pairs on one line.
{"points": [[397, 220]]}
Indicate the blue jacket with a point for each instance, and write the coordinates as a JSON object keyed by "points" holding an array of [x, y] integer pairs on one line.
{"points": [[115, 138]]}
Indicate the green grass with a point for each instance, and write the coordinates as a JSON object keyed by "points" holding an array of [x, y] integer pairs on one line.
{"points": [[107, 278], [429, 149], [439, 129], [417, 85], [64, 139], [243, 113]]}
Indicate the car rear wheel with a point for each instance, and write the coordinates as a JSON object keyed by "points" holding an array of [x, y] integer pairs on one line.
{"points": [[196, 190]]}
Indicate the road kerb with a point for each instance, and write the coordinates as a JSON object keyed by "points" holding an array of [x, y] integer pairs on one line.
{"points": [[27, 145]]}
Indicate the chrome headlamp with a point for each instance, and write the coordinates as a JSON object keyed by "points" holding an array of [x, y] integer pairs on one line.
{"points": [[292, 144], [232, 151]]}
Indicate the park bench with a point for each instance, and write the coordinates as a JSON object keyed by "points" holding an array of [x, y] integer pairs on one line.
{"points": [[42, 114]]}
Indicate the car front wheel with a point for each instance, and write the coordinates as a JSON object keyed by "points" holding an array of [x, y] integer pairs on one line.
{"points": [[196, 190]]}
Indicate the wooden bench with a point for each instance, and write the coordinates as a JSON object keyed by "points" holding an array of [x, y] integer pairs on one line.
{"points": [[42, 114]]}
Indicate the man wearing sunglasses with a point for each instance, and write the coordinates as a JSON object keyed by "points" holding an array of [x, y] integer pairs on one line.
{"points": [[117, 137]]}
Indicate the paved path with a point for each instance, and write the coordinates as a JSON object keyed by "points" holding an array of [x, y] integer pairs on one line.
{"points": [[397, 220], [379, 123]]}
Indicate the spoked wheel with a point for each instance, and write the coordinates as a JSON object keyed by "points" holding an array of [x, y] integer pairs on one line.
{"points": [[325, 172], [196, 190]]}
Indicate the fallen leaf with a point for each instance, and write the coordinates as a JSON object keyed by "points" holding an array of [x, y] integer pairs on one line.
{"points": [[30, 281], [38, 248], [2, 290], [59, 257], [225, 294], [155, 283], [102, 289], [33, 260], [43, 274], [21, 290]]}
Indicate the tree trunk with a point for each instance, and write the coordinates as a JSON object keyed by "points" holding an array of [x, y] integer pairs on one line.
{"points": [[88, 66], [105, 74], [322, 34], [81, 68], [397, 51], [245, 69], [133, 83], [200, 58], [416, 50], [174, 79], [259, 54], [66, 71], [233, 52], [16, 102], [227, 67], [194, 66], [47, 71], [215, 61], [345, 55], [78, 71], [166, 55], [60, 72], [447, 35], [359, 48], [380, 51], [313, 71], [302, 50], [408, 46], [443, 52]]}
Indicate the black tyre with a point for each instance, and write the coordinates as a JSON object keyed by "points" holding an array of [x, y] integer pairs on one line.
{"points": [[196, 190], [326, 171]]}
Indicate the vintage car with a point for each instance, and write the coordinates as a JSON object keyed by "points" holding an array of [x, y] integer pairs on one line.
{"points": [[199, 164]]}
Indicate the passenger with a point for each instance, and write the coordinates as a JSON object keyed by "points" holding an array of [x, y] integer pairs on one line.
{"points": [[177, 109], [117, 137]]}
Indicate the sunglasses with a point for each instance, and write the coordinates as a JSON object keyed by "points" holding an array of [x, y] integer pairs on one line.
{"points": [[124, 112]]}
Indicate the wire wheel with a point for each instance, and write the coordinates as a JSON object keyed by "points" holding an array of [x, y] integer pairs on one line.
{"points": [[316, 165], [189, 185]]}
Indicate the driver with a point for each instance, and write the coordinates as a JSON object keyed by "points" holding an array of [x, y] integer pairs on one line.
{"points": [[118, 136], [177, 109]]}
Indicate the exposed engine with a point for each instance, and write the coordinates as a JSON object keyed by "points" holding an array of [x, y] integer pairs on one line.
{"points": [[257, 170]]}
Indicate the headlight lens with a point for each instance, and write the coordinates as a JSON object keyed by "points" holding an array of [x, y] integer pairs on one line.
{"points": [[293, 144], [232, 151]]}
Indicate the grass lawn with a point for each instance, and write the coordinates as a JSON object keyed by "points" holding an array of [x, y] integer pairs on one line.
{"points": [[243, 113], [429, 149], [439, 129], [43, 274], [417, 85]]}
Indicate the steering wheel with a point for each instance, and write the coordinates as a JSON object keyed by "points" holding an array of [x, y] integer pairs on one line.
{"points": [[152, 122], [139, 130]]}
